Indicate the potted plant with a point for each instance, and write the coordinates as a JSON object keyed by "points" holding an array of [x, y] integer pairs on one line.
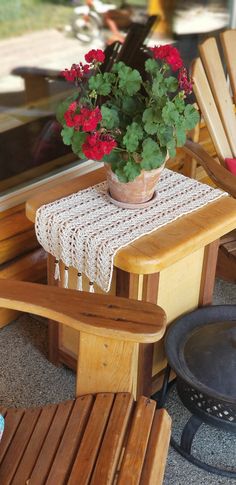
{"points": [[129, 122]]}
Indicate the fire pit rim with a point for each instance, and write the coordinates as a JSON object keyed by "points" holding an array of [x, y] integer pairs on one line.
{"points": [[189, 322]]}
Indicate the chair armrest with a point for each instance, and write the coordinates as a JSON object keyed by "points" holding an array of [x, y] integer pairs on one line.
{"points": [[96, 314], [220, 175]]}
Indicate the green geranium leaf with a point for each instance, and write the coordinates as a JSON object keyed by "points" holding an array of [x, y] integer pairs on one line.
{"points": [[171, 148], [170, 113], [101, 84], [67, 133], [63, 107], [134, 134], [114, 158], [164, 134], [109, 77], [159, 87], [180, 135], [131, 106], [121, 174], [77, 141], [117, 66], [151, 117], [132, 170], [152, 155], [180, 105], [129, 80], [151, 66], [110, 118], [191, 116], [171, 84]]}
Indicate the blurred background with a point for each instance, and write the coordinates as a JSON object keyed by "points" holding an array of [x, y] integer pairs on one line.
{"points": [[39, 38]]}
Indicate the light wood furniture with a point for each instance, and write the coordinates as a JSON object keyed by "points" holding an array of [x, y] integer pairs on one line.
{"points": [[215, 102], [97, 438], [173, 267]]}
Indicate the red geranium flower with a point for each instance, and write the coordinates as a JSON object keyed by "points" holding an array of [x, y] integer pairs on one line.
{"points": [[95, 55], [185, 83], [96, 146], [87, 119], [168, 53], [69, 114], [76, 72]]}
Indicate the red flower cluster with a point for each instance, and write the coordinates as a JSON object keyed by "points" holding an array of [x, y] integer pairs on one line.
{"points": [[169, 54], [97, 145], [185, 83], [87, 119], [95, 55], [76, 72]]}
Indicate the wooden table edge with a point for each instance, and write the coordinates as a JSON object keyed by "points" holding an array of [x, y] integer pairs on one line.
{"points": [[162, 247]]}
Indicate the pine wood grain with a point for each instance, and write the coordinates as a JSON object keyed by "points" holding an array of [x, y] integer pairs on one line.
{"points": [[86, 457], [101, 315], [111, 448], [18, 445], [136, 448], [228, 41], [214, 70], [70, 441], [96, 439], [153, 471], [30, 267], [105, 362]]}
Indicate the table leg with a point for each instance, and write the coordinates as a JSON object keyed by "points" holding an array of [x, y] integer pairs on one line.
{"points": [[53, 327], [127, 285], [208, 273]]}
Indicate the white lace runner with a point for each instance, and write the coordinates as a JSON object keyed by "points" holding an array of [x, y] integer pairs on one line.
{"points": [[85, 230]]}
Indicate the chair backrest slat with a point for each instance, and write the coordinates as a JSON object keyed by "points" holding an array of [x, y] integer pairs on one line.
{"points": [[216, 77], [228, 41], [209, 110]]}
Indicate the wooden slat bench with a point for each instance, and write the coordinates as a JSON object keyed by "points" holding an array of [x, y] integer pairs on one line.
{"points": [[102, 437], [94, 439]]}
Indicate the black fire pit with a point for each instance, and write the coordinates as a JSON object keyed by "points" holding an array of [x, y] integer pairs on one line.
{"points": [[201, 349]]}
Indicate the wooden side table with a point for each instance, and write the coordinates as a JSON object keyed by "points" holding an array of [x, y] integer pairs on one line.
{"points": [[173, 267]]}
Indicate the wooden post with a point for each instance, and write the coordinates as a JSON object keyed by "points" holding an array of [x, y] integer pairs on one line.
{"points": [[104, 363], [208, 273], [53, 327], [127, 285]]}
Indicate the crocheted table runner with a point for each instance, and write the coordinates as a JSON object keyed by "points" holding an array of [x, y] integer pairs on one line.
{"points": [[85, 230]]}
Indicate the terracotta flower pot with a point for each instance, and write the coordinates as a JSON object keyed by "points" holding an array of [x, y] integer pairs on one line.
{"points": [[140, 190]]}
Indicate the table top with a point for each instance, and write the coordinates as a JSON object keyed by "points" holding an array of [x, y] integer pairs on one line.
{"points": [[163, 247]]}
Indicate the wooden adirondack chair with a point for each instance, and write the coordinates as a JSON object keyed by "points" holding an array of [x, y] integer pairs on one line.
{"points": [[101, 437], [214, 99]]}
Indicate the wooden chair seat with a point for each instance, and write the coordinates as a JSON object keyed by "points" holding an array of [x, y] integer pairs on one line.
{"points": [[102, 437], [97, 439]]}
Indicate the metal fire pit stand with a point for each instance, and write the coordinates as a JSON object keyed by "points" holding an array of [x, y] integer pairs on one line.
{"points": [[201, 349]]}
